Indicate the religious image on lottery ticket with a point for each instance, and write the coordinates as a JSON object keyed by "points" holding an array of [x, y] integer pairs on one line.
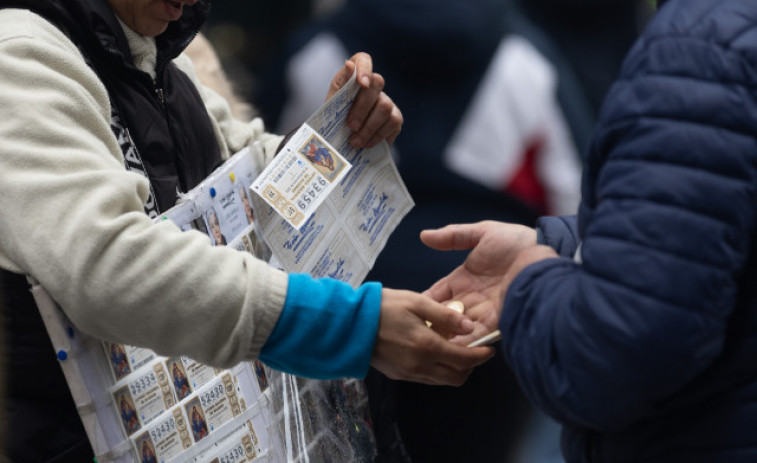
{"points": [[301, 176], [322, 208], [125, 359]]}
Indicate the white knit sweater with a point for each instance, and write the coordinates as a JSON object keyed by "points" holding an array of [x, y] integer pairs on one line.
{"points": [[72, 216]]}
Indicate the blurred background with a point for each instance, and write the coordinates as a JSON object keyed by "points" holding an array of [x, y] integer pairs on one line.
{"points": [[249, 35]]}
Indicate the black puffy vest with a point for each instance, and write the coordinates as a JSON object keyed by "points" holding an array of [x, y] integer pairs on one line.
{"points": [[170, 129]]}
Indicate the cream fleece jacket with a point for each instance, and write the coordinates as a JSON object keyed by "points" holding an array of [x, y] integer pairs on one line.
{"points": [[72, 215]]}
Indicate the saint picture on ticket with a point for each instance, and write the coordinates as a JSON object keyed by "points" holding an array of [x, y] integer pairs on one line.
{"points": [[127, 410], [259, 248], [179, 378], [146, 449], [242, 191], [197, 419], [260, 373], [325, 160], [215, 228], [118, 360]]}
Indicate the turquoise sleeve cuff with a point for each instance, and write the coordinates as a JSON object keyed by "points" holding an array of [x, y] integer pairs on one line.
{"points": [[326, 330]]}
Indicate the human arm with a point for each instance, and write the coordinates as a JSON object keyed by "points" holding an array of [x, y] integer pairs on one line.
{"points": [[667, 220], [73, 218], [328, 330], [559, 233], [667, 224]]}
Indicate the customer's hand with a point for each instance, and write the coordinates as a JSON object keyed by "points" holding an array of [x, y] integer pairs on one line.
{"points": [[374, 116], [481, 280], [407, 349]]}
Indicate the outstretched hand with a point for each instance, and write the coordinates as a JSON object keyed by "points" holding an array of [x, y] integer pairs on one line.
{"points": [[481, 280], [407, 349], [374, 116]]}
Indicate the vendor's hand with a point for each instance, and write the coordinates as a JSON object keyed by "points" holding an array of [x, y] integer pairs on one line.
{"points": [[374, 116], [480, 281], [407, 349]]}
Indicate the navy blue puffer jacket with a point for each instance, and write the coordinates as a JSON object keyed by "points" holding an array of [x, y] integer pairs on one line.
{"points": [[645, 344]]}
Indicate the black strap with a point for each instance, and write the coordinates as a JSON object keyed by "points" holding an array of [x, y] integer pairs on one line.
{"points": [[132, 159]]}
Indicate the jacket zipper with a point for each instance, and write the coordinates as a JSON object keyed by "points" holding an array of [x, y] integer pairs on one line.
{"points": [[159, 74]]}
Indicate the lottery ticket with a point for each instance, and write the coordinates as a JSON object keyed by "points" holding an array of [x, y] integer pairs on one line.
{"points": [[301, 176], [215, 404], [344, 231], [241, 445], [260, 374], [125, 359], [184, 215], [220, 205], [251, 242], [165, 438], [187, 375], [142, 396]]}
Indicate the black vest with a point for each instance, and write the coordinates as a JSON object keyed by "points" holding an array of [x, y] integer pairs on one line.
{"points": [[165, 127]]}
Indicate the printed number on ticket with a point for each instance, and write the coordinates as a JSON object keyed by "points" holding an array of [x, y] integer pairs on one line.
{"points": [[213, 405], [142, 397], [301, 176], [166, 437]]}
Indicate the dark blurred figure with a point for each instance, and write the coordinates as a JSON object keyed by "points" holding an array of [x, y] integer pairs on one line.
{"points": [[497, 112], [247, 34], [592, 35]]}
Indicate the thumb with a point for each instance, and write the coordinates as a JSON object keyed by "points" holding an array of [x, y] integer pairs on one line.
{"points": [[442, 318], [453, 237]]}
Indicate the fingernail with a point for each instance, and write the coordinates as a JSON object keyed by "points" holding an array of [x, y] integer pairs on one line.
{"points": [[467, 325], [354, 124], [366, 81], [356, 141]]}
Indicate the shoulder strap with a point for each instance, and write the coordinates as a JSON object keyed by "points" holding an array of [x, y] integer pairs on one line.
{"points": [[132, 159]]}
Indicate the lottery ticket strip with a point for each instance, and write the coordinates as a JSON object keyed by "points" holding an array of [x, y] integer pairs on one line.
{"points": [[333, 210]]}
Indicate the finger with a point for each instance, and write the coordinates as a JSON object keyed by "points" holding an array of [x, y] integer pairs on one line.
{"points": [[389, 131], [384, 121], [364, 103], [341, 78], [443, 319], [447, 363], [454, 237], [364, 64], [440, 291], [434, 374], [460, 357]]}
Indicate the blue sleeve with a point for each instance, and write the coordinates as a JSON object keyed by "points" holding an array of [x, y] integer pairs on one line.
{"points": [[326, 330], [667, 222], [559, 233]]}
